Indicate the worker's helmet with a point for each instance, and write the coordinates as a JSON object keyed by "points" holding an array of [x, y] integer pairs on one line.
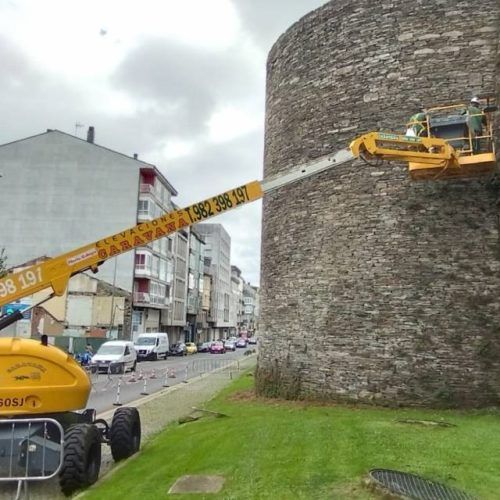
{"points": [[475, 100]]}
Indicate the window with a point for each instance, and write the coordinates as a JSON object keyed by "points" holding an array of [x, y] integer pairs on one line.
{"points": [[164, 246], [143, 261], [181, 245], [156, 266], [170, 271], [181, 268], [179, 314], [179, 289], [157, 293], [163, 270], [143, 207]]}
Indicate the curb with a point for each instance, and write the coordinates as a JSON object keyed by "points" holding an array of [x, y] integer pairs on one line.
{"points": [[108, 414]]}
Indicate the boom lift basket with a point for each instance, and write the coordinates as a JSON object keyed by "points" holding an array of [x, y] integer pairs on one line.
{"points": [[475, 153]]}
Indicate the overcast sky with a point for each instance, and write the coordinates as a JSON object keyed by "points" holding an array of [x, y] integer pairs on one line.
{"points": [[180, 82]]}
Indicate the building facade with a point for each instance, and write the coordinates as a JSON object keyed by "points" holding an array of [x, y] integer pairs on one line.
{"points": [[208, 333], [61, 192], [194, 311], [249, 316], [154, 263], [217, 258], [236, 310], [176, 325]]}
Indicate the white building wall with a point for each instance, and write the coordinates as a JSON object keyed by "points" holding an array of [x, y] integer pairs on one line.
{"points": [[79, 311], [60, 192]]}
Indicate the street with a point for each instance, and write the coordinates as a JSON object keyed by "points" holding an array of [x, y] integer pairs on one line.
{"points": [[109, 391]]}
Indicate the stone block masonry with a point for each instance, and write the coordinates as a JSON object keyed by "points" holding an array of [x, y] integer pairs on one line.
{"points": [[375, 288]]}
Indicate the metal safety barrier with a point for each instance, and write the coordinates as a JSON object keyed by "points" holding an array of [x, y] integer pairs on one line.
{"points": [[31, 449], [165, 376]]}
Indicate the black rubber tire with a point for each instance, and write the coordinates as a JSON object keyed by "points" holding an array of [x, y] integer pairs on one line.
{"points": [[154, 357], [125, 433], [134, 367], [82, 458]]}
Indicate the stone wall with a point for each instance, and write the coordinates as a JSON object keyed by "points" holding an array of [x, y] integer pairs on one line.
{"points": [[376, 288]]}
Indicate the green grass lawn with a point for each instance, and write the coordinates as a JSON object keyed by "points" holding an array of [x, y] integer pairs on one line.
{"points": [[270, 449]]}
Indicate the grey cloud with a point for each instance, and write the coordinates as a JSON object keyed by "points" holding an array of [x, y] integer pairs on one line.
{"points": [[266, 20], [185, 84], [215, 168], [32, 101]]}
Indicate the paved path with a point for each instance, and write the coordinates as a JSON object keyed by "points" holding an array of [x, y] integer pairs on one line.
{"points": [[157, 411]]}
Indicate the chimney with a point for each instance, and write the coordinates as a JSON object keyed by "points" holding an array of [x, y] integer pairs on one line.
{"points": [[136, 156], [90, 135]]}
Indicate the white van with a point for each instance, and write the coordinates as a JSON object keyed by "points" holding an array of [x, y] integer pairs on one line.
{"points": [[115, 356], [152, 346]]}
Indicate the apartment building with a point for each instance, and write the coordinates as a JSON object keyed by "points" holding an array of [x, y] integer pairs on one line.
{"points": [[60, 192], [217, 259], [236, 310], [207, 332], [194, 312], [250, 308], [154, 266], [173, 319]]}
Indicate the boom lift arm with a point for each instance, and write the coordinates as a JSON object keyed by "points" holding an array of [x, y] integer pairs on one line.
{"points": [[56, 272]]}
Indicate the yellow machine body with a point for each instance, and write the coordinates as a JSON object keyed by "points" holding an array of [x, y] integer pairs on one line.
{"points": [[387, 146], [39, 379]]}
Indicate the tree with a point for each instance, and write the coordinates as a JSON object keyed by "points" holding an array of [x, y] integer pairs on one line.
{"points": [[3, 263]]}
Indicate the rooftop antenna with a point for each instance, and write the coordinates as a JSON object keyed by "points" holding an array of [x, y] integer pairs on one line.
{"points": [[77, 126]]}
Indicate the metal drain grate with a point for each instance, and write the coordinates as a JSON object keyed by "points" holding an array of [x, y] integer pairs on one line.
{"points": [[415, 487]]}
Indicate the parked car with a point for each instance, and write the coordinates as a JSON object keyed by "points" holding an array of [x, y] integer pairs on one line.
{"points": [[252, 340], [241, 342], [191, 348], [178, 349], [203, 346], [115, 356], [151, 346], [230, 345], [217, 348]]}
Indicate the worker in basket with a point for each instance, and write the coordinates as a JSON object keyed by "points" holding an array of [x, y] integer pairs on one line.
{"points": [[417, 126], [475, 121]]}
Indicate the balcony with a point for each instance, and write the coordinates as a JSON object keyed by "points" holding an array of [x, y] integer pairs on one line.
{"points": [[141, 298], [143, 216], [150, 300], [155, 192], [143, 270]]}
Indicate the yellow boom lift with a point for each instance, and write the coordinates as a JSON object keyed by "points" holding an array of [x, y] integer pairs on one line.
{"points": [[40, 380]]}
